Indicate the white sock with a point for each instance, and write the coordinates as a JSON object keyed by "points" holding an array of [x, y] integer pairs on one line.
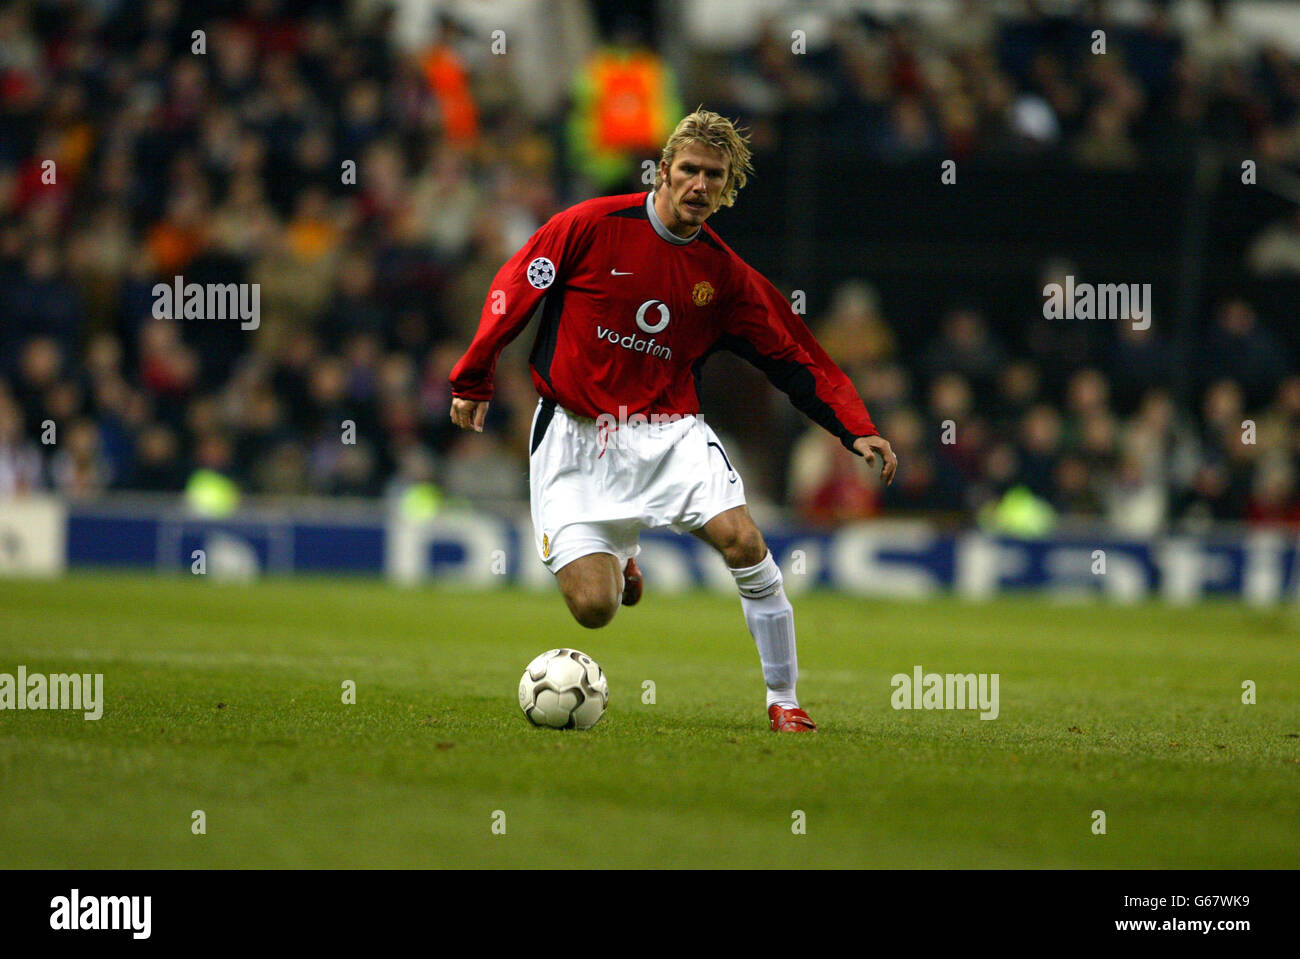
{"points": [[771, 622]]}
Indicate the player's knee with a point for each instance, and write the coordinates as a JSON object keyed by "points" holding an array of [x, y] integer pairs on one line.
{"points": [[745, 547], [592, 606], [593, 614]]}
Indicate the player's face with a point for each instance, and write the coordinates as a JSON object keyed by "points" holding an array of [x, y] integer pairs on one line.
{"points": [[694, 185]]}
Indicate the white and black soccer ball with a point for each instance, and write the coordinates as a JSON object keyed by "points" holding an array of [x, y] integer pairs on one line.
{"points": [[564, 689]]}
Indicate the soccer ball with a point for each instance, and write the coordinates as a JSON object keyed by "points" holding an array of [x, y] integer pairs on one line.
{"points": [[564, 689]]}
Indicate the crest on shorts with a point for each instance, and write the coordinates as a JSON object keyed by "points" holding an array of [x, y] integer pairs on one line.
{"points": [[546, 546], [541, 273], [703, 293]]}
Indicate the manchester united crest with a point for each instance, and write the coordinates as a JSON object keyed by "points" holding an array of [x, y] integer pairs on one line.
{"points": [[703, 293]]}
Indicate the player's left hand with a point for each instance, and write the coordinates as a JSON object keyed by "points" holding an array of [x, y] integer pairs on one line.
{"points": [[869, 445]]}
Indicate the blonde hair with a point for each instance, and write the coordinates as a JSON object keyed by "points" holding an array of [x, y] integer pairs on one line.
{"points": [[716, 132]]}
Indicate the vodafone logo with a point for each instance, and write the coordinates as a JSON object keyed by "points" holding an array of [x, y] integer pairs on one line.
{"points": [[652, 327], [639, 344]]}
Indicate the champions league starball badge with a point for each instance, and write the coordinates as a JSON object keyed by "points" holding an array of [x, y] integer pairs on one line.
{"points": [[541, 273]]}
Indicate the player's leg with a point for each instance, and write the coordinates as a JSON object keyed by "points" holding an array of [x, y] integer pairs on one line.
{"points": [[592, 586], [768, 612], [587, 558]]}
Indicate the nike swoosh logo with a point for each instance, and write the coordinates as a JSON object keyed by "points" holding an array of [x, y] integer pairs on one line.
{"points": [[617, 273]]}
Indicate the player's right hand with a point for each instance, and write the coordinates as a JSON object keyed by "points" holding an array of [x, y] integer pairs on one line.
{"points": [[469, 414]]}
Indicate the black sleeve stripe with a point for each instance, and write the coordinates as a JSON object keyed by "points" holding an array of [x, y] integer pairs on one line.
{"points": [[697, 368], [796, 381], [548, 334]]}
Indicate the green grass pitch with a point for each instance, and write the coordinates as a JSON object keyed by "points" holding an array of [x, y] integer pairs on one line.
{"points": [[228, 699]]}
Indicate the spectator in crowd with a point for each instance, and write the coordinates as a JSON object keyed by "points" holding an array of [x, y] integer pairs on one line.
{"points": [[625, 105], [853, 332], [1239, 349], [822, 491], [20, 462], [1276, 251], [965, 345], [1137, 360]]}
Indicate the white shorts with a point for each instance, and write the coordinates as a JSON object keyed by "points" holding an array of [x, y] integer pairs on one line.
{"points": [[593, 489]]}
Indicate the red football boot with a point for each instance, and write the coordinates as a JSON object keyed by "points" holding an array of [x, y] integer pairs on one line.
{"points": [[790, 720], [631, 584]]}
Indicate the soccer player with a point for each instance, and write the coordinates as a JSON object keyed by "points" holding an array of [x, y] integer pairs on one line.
{"points": [[636, 292]]}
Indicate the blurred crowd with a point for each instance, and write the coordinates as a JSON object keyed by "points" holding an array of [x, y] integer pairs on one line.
{"points": [[371, 176], [1012, 436], [1107, 93]]}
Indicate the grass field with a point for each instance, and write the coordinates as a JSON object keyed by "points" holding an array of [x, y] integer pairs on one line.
{"points": [[228, 699]]}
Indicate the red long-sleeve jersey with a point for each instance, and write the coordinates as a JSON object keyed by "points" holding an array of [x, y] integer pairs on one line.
{"points": [[630, 312]]}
